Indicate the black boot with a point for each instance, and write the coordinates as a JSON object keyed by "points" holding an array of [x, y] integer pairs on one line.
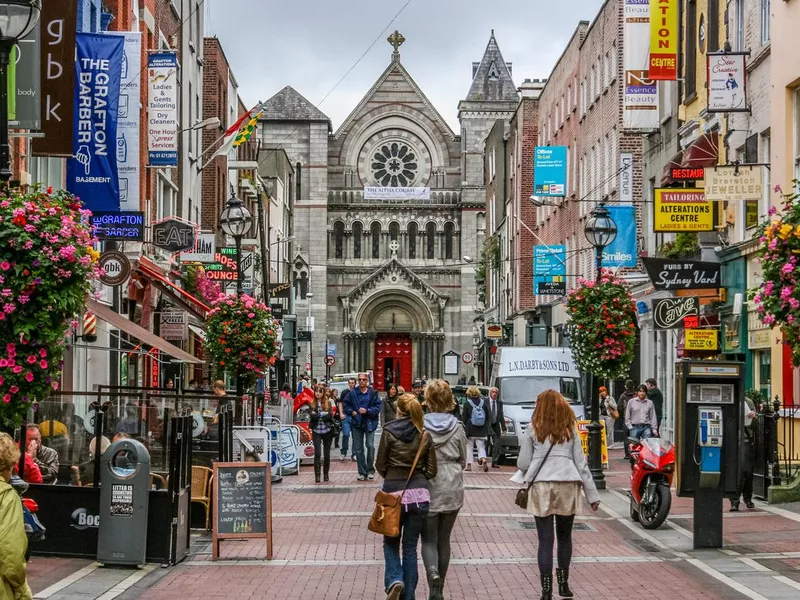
{"points": [[547, 586], [562, 576], [434, 584], [316, 474], [326, 477]]}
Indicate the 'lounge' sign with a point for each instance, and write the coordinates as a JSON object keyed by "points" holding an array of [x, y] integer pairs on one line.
{"points": [[669, 313], [669, 274]]}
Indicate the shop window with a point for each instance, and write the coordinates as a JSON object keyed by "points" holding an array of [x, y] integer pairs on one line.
{"points": [[763, 362]]}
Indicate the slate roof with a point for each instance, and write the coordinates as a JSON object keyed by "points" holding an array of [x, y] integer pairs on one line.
{"points": [[291, 105], [492, 81]]}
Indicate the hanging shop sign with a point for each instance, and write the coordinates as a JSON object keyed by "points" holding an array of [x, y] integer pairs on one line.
{"points": [[670, 313], [92, 171], [727, 82], [664, 40], [730, 333], [397, 193], [678, 209], [173, 235], [626, 178], [494, 331], [119, 226], [640, 100], [204, 251], [622, 252], [173, 325], [701, 339], [223, 269], [280, 290], [691, 174], [162, 126], [549, 270], [116, 268], [550, 171], [27, 105], [668, 274], [732, 183]]}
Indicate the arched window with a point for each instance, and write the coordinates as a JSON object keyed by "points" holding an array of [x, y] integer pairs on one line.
{"points": [[394, 231], [448, 240], [413, 229], [430, 239], [376, 240], [338, 239], [303, 285], [358, 234]]}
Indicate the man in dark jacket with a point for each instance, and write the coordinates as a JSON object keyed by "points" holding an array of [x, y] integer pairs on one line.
{"points": [[363, 404], [346, 419], [654, 394], [497, 424]]}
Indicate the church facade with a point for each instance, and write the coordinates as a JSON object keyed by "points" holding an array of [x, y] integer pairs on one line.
{"points": [[389, 220]]}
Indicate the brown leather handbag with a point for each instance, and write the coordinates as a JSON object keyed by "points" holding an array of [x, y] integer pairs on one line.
{"points": [[385, 518], [521, 498]]}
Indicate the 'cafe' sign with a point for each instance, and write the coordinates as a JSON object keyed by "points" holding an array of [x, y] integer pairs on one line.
{"points": [[670, 274]]}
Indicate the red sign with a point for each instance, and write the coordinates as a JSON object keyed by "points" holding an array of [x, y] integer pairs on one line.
{"points": [[691, 322], [679, 174]]}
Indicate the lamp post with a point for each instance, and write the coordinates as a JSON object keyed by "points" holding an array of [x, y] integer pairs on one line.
{"points": [[600, 230], [17, 19], [310, 328], [236, 222]]}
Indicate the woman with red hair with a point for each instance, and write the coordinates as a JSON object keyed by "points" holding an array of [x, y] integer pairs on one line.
{"points": [[555, 470]]}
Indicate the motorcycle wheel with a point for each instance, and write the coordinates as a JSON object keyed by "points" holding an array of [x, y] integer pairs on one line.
{"points": [[653, 518], [634, 511]]}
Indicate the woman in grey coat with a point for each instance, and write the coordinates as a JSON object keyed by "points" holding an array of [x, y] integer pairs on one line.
{"points": [[447, 488], [553, 463]]}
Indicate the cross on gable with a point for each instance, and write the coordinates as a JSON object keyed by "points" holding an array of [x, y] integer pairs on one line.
{"points": [[396, 40]]}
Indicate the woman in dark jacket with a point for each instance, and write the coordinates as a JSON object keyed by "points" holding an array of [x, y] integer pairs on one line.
{"points": [[321, 426], [389, 405], [401, 440], [476, 434]]}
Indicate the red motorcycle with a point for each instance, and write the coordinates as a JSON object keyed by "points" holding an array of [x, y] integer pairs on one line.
{"points": [[652, 469]]}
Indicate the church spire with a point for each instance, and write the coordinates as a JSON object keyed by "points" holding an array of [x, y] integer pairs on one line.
{"points": [[395, 41], [491, 78]]}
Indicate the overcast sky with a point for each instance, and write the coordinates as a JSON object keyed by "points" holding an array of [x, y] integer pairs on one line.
{"points": [[311, 44]]}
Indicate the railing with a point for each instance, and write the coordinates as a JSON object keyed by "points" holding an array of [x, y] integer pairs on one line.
{"points": [[789, 442], [357, 197]]}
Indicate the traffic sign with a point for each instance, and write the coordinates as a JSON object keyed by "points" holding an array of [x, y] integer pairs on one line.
{"points": [[467, 357], [330, 360]]}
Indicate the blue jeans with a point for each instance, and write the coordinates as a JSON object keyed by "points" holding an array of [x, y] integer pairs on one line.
{"points": [[366, 463], [346, 436], [412, 522], [641, 432]]}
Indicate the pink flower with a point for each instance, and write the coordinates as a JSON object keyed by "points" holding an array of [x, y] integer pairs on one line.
{"points": [[7, 398], [13, 389], [43, 364], [55, 385], [5, 265], [17, 370], [43, 352], [31, 359], [3, 363], [778, 189], [772, 210], [29, 377]]}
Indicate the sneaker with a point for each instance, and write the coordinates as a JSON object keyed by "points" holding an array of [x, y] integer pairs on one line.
{"points": [[371, 476], [734, 507], [749, 505], [361, 478], [395, 591], [341, 458], [354, 458]]}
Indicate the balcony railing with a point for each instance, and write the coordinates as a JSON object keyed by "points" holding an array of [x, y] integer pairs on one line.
{"points": [[357, 197]]}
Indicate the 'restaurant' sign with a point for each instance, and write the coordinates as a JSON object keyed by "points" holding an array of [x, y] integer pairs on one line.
{"points": [[669, 274], [728, 184], [670, 313], [173, 235]]}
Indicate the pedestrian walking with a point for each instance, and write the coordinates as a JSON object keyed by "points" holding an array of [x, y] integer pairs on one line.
{"points": [[497, 425], [608, 410], [321, 425], [13, 540], [555, 470], [333, 393], [389, 405], [621, 431], [640, 416], [476, 423], [402, 441], [447, 488], [655, 395], [364, 405], [346, 419], [746, 457]]}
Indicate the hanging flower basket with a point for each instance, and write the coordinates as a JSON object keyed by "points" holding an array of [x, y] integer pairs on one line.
{"points": [[777, 299], [602, 326], [47, 265], [241, 337]]}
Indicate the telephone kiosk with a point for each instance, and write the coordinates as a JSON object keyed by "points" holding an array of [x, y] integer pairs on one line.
{"points": [[708, 426]]}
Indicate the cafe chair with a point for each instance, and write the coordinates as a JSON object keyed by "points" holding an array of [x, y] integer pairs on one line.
{"points": [[157, 482], [201, 484]]}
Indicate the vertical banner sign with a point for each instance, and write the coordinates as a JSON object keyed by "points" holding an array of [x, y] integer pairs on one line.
{"points": [[640, 102], [162, 112], [550, 171], [128, 125], [92, 172], [664, 40], [622, 252], [727, 83], [625, 178], [57, 66], [28, 114], [549, 270]]}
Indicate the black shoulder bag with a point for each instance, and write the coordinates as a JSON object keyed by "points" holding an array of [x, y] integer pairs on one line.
{"points": [[522, 495]]}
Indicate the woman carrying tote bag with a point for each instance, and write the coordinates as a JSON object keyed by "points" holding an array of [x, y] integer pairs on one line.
{"points": [[555, 469]]}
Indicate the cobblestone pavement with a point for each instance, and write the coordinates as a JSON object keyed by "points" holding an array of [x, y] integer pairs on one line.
{"points": [[323, 550]]}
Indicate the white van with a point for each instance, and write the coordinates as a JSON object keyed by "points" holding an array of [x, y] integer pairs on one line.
{"points": [[521, 374]]}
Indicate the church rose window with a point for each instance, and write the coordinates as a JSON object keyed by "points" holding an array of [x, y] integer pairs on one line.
{"points": [[395, 165]]}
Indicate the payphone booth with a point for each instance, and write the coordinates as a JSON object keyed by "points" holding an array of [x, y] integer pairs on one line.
{"points": [[709, 397]]}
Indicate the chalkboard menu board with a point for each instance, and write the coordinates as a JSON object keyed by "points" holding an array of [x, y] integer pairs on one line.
{"points": [[242, 498]]}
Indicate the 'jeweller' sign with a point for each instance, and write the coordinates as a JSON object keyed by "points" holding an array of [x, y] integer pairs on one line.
{"points": [[670, 313], [732, 183], [671, 274]]}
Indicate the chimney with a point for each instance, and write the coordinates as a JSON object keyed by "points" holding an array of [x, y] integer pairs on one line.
{"points": [[532, 88]]}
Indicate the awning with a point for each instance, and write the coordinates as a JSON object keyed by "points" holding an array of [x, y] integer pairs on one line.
{"points": [[111, 317], [674, 163], [181, 297], [198, 332], [703, 152]]}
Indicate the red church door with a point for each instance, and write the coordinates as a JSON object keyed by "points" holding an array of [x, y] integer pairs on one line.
{"points": [[393, 354]]}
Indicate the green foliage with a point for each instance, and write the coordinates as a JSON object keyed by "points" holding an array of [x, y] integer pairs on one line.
{"points": [[685, 243], [489, 259]]}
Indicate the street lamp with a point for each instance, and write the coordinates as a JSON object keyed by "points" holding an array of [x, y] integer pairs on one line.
{"points": [[17, 19], [600, 230], [236, 222], [309, 296]]}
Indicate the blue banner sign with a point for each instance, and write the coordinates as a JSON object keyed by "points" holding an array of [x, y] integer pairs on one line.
{"points": [[622, 252], [122, 226], [550, 171], [549, 270], [92, 171]]}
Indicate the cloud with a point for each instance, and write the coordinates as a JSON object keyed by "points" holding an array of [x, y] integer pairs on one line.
{"points": [[311, 44]]}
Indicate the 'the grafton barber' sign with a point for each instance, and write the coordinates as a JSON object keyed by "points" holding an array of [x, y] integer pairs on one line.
{"points": [[669, 313], [669, 274]]}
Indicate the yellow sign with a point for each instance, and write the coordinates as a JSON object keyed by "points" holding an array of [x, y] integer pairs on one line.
{"points": [[663, 40], [701, 339], [679, 209], [583, 432], [729, 184]]}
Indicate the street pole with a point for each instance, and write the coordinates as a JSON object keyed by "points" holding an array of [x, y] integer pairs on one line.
{"points": [[5, 151], [269, 388], [238, 409], [595, 429]]}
